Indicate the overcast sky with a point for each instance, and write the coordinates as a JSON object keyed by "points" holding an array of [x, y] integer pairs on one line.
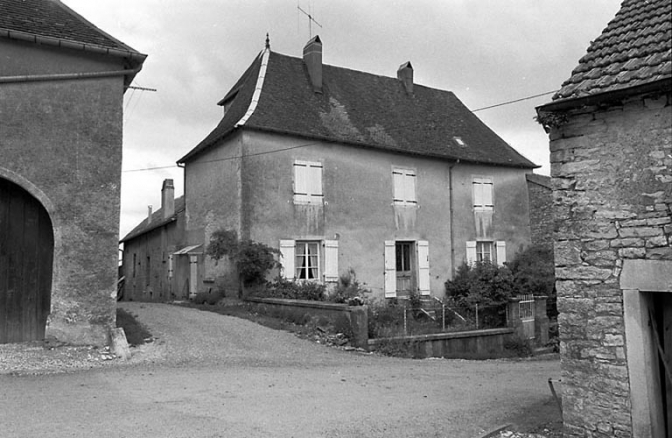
{"points": [[485, 51]]}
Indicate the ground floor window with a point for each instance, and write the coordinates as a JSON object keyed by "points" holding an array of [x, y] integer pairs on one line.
{"points": [[307, 260], [484, 252]]}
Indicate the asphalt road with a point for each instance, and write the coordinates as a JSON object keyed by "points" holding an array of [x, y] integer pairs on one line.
{"points": [[216, 376]]}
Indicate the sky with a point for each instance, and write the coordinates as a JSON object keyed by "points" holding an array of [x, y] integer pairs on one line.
{"points": [[487, 52]]}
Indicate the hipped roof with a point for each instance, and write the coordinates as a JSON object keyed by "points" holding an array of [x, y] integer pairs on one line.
{"points": [[359, 109]]}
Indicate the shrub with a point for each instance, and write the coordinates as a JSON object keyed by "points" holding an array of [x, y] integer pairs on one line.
{"points": [[283, 288], [349, 290], [534, 273], [519, 346], [252, 259]]}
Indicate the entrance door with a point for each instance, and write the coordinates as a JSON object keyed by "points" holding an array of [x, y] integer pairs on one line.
{"points": [[404, 261], [26, 253]]}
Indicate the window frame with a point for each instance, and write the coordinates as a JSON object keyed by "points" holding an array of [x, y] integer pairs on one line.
{"points": [[307, 257], [308, 187], [404, 186], [480, 196]]}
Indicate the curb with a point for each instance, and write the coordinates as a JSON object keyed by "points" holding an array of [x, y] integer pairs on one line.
{"points": [[493, 432]]}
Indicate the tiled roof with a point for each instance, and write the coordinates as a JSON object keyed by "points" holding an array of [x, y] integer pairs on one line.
{"points": [[156, 222], [634, 49], [361, 109], [542, 180], [51, 20]]}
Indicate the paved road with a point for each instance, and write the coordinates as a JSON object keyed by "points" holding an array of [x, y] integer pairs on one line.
{"points": [[216, 376]]}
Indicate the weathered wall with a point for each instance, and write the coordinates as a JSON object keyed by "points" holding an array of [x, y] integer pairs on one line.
{"points": [[541, 214], [148, 280], [61, 141], [612, 179]]}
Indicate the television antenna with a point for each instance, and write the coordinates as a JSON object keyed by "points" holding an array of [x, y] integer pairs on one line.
{"points": [[311, 20]]}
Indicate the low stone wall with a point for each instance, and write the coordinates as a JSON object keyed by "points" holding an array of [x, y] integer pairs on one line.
{"points": [[476, 344], [355, 316]]}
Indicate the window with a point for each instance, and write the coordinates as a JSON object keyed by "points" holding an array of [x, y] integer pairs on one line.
{"points": [[486, 251], [404, 186], [307, 261], [310, 260], [483, 194], [307, 182]]}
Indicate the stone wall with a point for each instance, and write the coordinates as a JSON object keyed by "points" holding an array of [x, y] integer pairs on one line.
{"points": [[612, 177], [540, 194]]}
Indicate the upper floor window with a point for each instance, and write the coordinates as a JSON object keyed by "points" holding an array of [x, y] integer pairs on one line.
{"points": [[404, 186], [483, 188], [307, 182]]}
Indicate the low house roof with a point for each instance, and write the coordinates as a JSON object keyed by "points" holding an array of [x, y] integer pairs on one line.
{"points": [[541, 180], [157, 221], [50, 22], [357, 108], [635, 50]]}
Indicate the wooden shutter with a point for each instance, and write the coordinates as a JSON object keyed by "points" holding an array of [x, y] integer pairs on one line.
{"points": [[409, 185], [501, 252], [471, 252], [315, 182], [287, 252], [300, 182], [423, 267], [390, 269], [487, 194], [398, 185], [330, 260], [478, 192]]}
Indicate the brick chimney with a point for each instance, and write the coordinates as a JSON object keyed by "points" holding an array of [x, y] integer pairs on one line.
{"points": [[167, 198], [149, 214], [312, 57], [405, 75]]}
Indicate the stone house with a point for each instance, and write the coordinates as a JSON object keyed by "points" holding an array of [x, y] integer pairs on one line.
{"points": [[62, 82], [156, 265], [341, 169], [610, 129]]}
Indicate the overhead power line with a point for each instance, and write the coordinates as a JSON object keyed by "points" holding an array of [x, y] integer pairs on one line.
{"points": [[314, 143]]}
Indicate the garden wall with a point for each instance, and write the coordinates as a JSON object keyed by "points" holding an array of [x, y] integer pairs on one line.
{"points": [[475, 344], [338, 314]]}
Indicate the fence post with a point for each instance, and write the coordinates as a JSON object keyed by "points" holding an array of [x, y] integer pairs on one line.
{"points": [[476, 316], [443, 310], [405, 331]]}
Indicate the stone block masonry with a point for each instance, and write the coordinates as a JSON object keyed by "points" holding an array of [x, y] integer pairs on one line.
{"points": [[612, 178]]}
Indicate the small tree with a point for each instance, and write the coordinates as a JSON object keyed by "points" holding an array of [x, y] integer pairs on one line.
{"points": [[251, 259], [534, 273]]}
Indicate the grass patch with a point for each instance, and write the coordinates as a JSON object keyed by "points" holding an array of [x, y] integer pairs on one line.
{"points": [[136, 333]]}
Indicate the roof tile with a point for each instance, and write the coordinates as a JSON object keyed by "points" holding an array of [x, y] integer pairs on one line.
{"points": [[634, 49]]}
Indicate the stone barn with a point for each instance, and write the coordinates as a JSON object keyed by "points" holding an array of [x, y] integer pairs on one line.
{"points": [[610, 129], [62, 82]]}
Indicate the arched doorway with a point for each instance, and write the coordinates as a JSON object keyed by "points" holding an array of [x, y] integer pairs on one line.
{"points": [[26, 256]]}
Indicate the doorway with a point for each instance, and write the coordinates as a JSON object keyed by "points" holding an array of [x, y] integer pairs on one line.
{"points": [[404, 267], [26, 258]]}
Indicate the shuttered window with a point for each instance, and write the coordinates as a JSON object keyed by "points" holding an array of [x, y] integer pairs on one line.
{"points": [[486, 251], [307, 182], [306, 260], [404, 186], [483, 189]]}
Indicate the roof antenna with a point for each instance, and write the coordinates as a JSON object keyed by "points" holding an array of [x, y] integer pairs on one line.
{"points": [[268, 41], [311, 20]]}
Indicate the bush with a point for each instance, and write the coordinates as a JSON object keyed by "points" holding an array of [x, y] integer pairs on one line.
{"points": [[252, 259], [283, 288], [518, 346], [349, 290], [534, 273]]}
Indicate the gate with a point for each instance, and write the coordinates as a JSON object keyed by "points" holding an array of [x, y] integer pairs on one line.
{"points": [[26, 255], [526, 311]]}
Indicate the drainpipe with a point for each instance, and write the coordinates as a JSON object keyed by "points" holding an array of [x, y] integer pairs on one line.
{"points": [[450, 207], [67, 76]]}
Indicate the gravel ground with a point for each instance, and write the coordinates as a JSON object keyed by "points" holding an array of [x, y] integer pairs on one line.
{"points": [[208, 375]]}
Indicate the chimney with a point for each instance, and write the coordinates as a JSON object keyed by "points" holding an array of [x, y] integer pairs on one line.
{"points": [[167, 198], [312, 57], [149, 214], [405, 75]]}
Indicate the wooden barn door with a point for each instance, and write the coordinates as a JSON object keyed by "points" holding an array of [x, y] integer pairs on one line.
{"points": [[26, 253]]}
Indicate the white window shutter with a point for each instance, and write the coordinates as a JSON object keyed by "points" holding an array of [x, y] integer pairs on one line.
{"points": [[398, 183], [300, 182], [390, 269], [487, 194], [287, 252], [501, 252], [478, 192], [410, 187], [423, 267], [330, 260], [471, 252]]}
